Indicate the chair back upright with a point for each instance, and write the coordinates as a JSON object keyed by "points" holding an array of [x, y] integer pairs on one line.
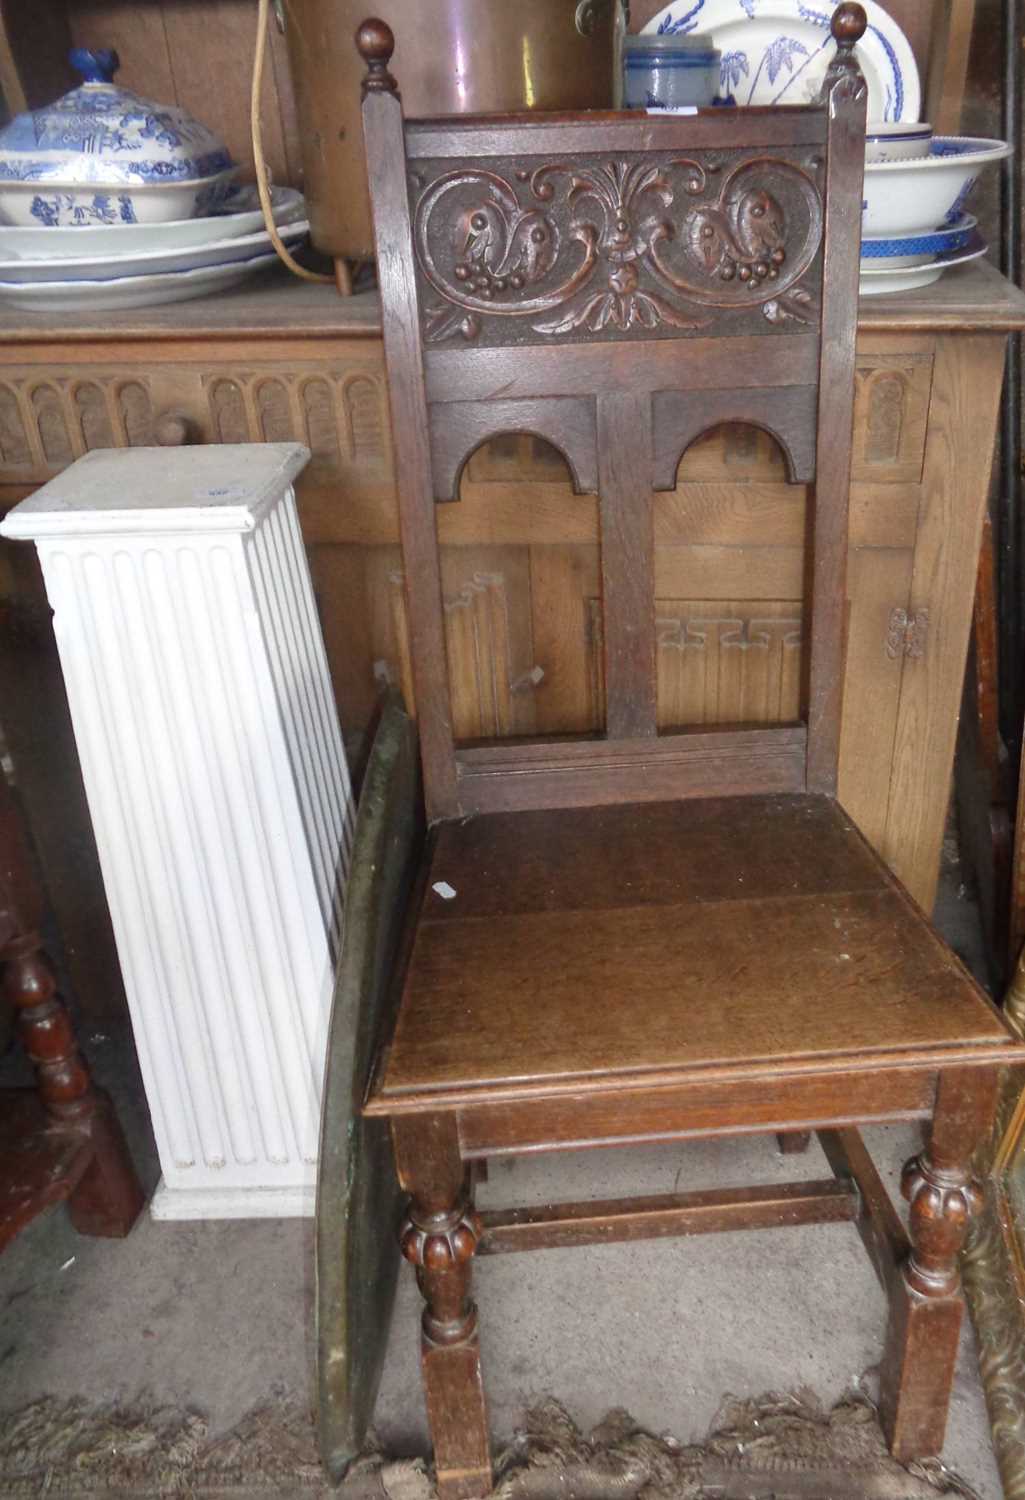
{"points": [[617, 283]]}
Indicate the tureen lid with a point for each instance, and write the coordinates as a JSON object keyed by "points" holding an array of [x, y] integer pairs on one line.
{"points": [[99, 133]]}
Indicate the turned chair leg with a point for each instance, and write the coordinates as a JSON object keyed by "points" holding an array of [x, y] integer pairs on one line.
{"points": [[108, 1197], [926, 1303], [439, 1237], [793, 1142]]}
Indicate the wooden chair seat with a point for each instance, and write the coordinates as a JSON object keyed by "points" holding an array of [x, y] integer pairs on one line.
{"points": [[729, 923]]}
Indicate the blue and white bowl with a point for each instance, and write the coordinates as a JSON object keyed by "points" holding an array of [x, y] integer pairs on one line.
{"points": [[885, 141], [925, 192], [894, 251], [102, 155]]}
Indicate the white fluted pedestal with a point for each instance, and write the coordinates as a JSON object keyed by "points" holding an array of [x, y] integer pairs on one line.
{"points": [[218, 789]]}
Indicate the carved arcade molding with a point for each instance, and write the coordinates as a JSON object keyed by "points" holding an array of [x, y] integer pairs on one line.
{"points": [[558, 249], [50, 417]]}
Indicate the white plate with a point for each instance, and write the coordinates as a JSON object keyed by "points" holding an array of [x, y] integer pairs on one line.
{"points": [[100, 268], [127, 292], [777, 51], [39, 243], [872, 282]]}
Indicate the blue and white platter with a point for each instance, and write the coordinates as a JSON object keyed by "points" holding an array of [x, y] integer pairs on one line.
{"points": [[99, 268], [881, 277], [241, 216], [127, 292], [777, 51], [917, 249]]}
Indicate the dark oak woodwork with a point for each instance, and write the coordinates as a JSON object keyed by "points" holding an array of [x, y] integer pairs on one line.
{"points": [[634, 936], [607, 1221], [583, 293], [63, 1141]]}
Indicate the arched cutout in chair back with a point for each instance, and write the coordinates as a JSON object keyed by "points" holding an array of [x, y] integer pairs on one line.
{"points": [[787, 414], [458, 428]]}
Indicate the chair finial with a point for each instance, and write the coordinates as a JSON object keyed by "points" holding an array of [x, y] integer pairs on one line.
{"points": [[375, 44], [848, 25]]}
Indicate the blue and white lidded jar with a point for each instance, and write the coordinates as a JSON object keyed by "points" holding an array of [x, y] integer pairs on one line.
{"points": [[102, 155], [669, 72]]}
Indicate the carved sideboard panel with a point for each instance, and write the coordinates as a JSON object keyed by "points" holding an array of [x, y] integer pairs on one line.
{"points": [[891, 415], [47, 420], [338, 409], [341, 415], [719, 661], [488, 636], [544, 250]]}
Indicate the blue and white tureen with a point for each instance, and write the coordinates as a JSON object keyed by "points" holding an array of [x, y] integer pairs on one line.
{"points": [[102, 155]]}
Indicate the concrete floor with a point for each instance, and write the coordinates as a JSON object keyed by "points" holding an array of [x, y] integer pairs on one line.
{"points": [[217, 1316]]}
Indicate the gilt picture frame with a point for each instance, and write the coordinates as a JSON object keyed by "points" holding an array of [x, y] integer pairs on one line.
{"points": [[994, 1266]]}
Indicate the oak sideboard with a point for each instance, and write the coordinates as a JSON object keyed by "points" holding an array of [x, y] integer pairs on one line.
{"points": [[283, 360]]}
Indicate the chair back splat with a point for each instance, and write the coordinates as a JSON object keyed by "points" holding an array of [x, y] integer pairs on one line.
{"points": [[616, 284]]}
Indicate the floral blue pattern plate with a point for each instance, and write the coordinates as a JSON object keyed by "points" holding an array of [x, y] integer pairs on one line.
{"points": [[917, 249], [876, 279], [777, 51]]}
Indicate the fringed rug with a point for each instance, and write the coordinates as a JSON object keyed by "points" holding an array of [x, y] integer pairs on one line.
{"points": [[779, 1447]]}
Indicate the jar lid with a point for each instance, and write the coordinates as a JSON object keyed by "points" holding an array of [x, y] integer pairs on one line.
{"points": [[647, 44], [105, 135]]}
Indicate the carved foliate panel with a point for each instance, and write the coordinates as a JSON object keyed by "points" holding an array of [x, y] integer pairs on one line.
{"points": [[551, 251]]}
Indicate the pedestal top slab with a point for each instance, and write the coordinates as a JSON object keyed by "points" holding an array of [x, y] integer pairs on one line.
{"points": [[220, 487]]}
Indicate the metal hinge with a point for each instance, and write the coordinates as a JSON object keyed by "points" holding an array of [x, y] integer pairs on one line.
{"points": [[906, 632]]}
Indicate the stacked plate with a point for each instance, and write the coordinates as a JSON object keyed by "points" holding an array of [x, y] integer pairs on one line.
{"points": [[899, 263], [102, 267]]}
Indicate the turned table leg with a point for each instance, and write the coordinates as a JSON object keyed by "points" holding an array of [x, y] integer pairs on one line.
{"points": [[108, 1198], [926, 1301], [439, 1237]]}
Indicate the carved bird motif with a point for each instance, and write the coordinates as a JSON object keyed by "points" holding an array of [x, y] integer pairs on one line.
{"points": [[496, 250], [744, 238]]}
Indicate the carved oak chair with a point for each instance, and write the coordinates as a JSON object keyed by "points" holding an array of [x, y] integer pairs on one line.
{"points": [[652, 935]]}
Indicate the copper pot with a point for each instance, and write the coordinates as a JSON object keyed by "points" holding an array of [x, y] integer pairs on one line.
{"points": [[451, 57]]}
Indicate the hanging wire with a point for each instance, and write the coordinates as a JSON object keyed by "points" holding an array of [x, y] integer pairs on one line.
{"points": [[262, 183]]}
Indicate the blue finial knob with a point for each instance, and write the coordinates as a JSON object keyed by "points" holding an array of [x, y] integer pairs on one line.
{"points": [[95, 67]]}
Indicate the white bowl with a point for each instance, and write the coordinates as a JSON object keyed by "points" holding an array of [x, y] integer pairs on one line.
{"points": [[887, 141], [49, 204], [925, 192]]}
